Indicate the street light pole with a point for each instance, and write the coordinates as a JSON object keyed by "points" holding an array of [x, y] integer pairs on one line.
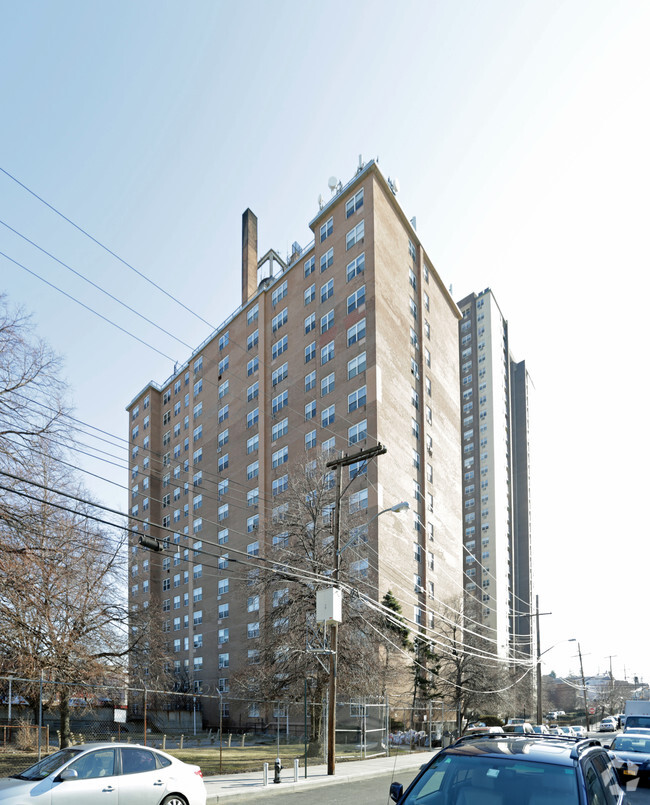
{"points": [[539, 663]]}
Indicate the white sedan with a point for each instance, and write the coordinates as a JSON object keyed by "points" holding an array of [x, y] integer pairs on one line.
{"points": [[110, 773]]}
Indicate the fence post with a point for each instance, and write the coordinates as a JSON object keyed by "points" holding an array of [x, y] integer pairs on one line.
{"points": [[40, 714], [296, 765], [182, 737], [265, 775]]}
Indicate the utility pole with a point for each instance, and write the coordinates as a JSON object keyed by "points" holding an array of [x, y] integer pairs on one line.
{"points": [[584, 688], [338, 464], [539, 663]]}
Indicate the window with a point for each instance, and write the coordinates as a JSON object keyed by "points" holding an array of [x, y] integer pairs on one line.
{"points": [[253, 630], [310, 439], [327, 416], [356, 299], [252, 471], [197, 455], [327, 321], [280, 429], [223, 462], [310, 410], [253, 339], [252, 366], [326, 229], [223, 661], [280, 320], [253, 603], [222, 536], [281, 540], [356, 267], [327, 290], [252, 523], [280, 597], [309, 266], [310, 294], [280, 485], [327, 385], [279, 293], [252, 392], [353, 204], [355, 235], [253, 444], [198, 433], [222, 586], [280, 457], [356, 399], [413, 308], [326, 260], [358, 433], [223, 413], [198, 502], [356, 365], [358, 501], [252, 417], [280, 374], [223, 340], [310, 323], [279, 402], [253, 656], [327, 353], [357, 332], [310, 352], [223, 611], [222, 512], [310, 381]]}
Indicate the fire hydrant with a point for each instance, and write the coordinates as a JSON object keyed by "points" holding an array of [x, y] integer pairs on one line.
{"points": [[277, 769]]}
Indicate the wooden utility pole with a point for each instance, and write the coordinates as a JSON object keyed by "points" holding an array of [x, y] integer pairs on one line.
{"points": [[338, 464]]}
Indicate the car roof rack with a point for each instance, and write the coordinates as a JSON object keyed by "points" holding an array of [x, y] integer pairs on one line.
{"points": [[528, 736], [583, 745]]}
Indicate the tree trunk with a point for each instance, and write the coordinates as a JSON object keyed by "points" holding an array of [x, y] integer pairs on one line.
{"points": [[64, 718]]}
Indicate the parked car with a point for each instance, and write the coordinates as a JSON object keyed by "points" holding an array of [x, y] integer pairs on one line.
{"points": [[106, 773], [608, 724], [524, 727], [568, 731], [579, 730], [632, 756], [482, 730], [536, 769], [541, 729]]}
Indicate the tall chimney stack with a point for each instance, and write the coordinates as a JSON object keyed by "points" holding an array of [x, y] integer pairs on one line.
{"points": [[248, 255]]}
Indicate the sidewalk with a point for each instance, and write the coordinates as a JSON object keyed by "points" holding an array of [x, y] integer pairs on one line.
{"points": [[227, 787]]}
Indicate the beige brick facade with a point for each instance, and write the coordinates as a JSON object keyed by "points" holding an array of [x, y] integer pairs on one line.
{"points": [[380, 277]]}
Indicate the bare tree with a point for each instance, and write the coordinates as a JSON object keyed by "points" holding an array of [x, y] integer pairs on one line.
{"points": [[62, 571], [469, 669], [31, 392], [291, 649]]}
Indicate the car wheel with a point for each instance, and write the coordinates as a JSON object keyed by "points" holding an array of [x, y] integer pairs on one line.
{"points": [[173, 799]]}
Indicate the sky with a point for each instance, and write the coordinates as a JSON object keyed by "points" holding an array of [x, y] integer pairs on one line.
{"points": [[519, 134]]}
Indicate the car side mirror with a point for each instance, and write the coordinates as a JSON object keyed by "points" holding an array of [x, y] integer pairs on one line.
{"points": [[396, 791], [69, 774]]}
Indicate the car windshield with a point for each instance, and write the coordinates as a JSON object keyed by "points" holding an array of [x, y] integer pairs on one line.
{"points": [[625, 743], [41, 770], [479, 780]]}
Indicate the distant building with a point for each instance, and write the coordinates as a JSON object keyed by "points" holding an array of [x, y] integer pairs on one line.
{"points": [[352, 341], [495, 394]]}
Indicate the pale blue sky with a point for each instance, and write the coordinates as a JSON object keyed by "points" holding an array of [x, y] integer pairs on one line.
{"points": [[519, 134]]}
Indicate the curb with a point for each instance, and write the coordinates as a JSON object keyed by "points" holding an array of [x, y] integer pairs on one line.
{"points": [[255, 786]]}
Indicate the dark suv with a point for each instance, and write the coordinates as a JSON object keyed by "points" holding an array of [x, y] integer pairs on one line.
{"points": [[515, 770]]}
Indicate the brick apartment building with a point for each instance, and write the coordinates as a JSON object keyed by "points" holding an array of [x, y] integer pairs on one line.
{"points": [[351, 342]]}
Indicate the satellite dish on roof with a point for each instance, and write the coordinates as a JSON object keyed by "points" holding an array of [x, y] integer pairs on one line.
{"points": [[332, 182]]}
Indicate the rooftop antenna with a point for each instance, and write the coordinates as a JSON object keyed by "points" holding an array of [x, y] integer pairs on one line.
{"points": [[321, 204], [331, 183]]}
